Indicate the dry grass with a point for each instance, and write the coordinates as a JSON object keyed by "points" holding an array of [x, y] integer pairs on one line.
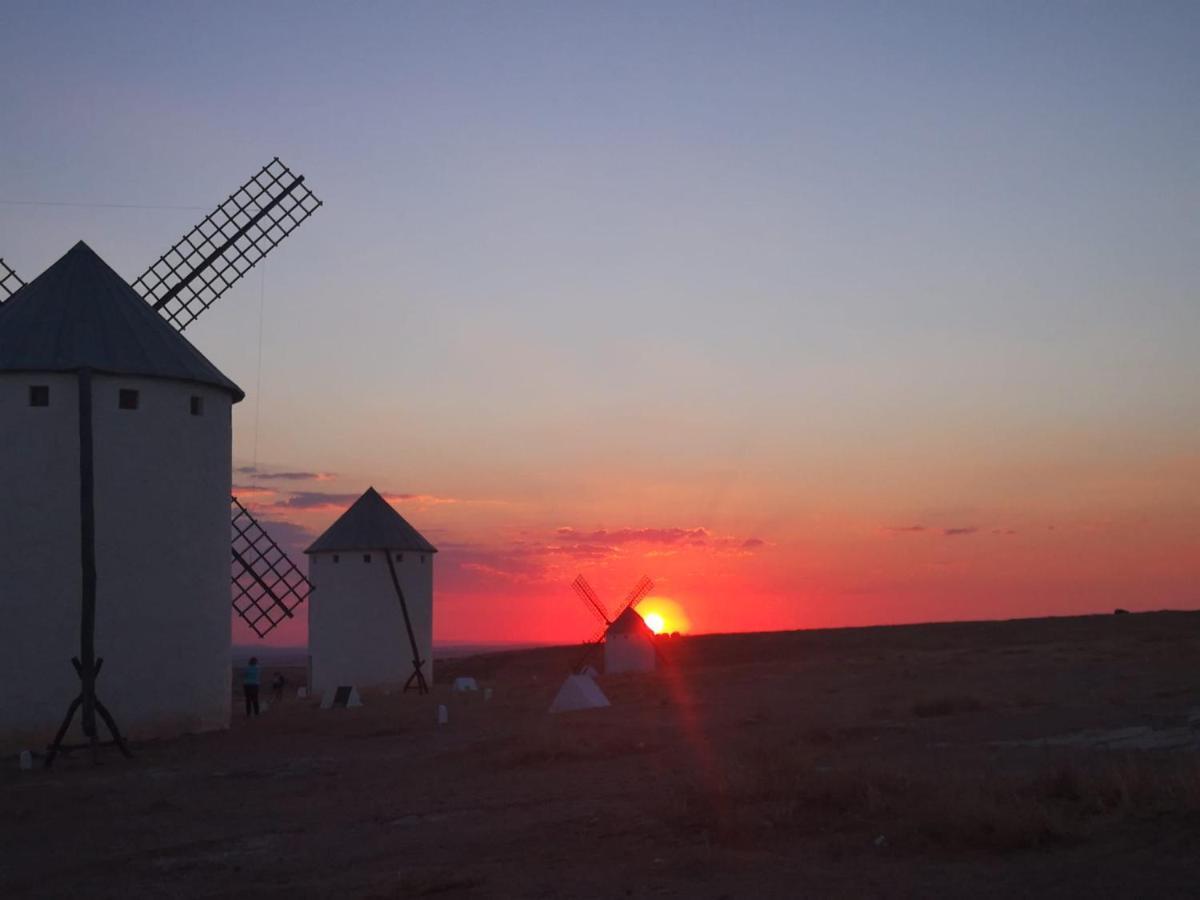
{"points": [[539, 750], [428, 885], [946, 706], [1063, 802]]}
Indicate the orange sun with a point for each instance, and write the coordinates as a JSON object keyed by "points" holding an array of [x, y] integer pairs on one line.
{"points": [[655, 622]]}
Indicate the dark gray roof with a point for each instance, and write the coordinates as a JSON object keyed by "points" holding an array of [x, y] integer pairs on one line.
{"points": [[371, 524], [80, 314], [630, 622]]}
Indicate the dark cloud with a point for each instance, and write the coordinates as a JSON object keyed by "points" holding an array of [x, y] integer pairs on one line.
{"points": [[958, 532], [904, 529], [283, 476], [312, 500], [753, 543], [309, 500]]}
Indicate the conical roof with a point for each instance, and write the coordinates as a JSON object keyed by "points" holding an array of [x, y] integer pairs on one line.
{"points": [[371, 524], [80, 314], [630, 622]]}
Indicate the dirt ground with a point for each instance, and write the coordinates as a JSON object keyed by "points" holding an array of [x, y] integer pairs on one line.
{"points": [[927, 761]]}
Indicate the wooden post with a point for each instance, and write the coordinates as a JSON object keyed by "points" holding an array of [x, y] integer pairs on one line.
{"points": [[418, 675], [86, 664]]}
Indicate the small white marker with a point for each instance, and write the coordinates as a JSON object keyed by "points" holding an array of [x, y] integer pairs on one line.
{"points": [[487, 693], [443, 714], [26, 760]]}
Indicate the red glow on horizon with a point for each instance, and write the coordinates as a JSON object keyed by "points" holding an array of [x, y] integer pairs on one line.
{"points": [[504, 572]]}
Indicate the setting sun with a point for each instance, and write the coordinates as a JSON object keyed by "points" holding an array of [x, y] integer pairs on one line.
{"points": [[663, 615]]}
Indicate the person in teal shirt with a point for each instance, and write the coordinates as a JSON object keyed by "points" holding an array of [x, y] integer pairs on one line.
{"points": [[250, 683]]}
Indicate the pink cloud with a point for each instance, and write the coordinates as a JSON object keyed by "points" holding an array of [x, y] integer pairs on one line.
{"points": [[636, 535], [244, 491]]}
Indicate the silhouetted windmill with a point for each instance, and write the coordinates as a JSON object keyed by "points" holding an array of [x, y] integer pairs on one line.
{"points": [[594, 603], [77, 293]]}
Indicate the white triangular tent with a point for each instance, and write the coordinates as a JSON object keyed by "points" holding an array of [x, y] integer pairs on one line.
{"points": [[578, 692]]}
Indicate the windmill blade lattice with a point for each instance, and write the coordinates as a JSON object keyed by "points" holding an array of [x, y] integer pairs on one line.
{"points": [[267, 586], [10, 281], [590, 599], [209, 259], [635, 596]]}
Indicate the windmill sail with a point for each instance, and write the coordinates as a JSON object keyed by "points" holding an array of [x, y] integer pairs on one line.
{"points": [[10, 281], [228, 243], [635, 596], [589, 598], [267, 586]]}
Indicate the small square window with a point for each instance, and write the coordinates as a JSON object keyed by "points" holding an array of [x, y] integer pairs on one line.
{"points": [[366, 557], [399, 557], [336, 558], [422, 557], [127, 398], [197, 406], [39, 395]]}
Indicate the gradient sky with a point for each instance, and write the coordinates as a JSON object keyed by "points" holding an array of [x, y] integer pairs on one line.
{"points": [[816, 314]]}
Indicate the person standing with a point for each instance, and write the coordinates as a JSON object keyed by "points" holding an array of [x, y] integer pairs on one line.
{"points": [[250, 683]]}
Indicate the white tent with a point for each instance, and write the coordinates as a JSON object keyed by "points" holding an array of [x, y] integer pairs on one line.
{"points": [[578, 692]]}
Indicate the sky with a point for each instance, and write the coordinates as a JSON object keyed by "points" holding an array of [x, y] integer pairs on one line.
{"points": [[816, 314]]}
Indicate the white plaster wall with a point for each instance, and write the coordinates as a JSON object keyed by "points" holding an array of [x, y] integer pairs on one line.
{"points": [[356, 629], [628, 653], [39, 556], [162, 556]]}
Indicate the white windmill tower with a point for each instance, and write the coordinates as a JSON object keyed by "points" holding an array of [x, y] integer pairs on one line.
{"points": [[628, 642], [370, 615], [115, 473]]}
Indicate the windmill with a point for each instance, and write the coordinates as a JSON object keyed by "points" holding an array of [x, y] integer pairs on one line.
{"points": [[356, 616], [597, 607], [184, 282]]}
